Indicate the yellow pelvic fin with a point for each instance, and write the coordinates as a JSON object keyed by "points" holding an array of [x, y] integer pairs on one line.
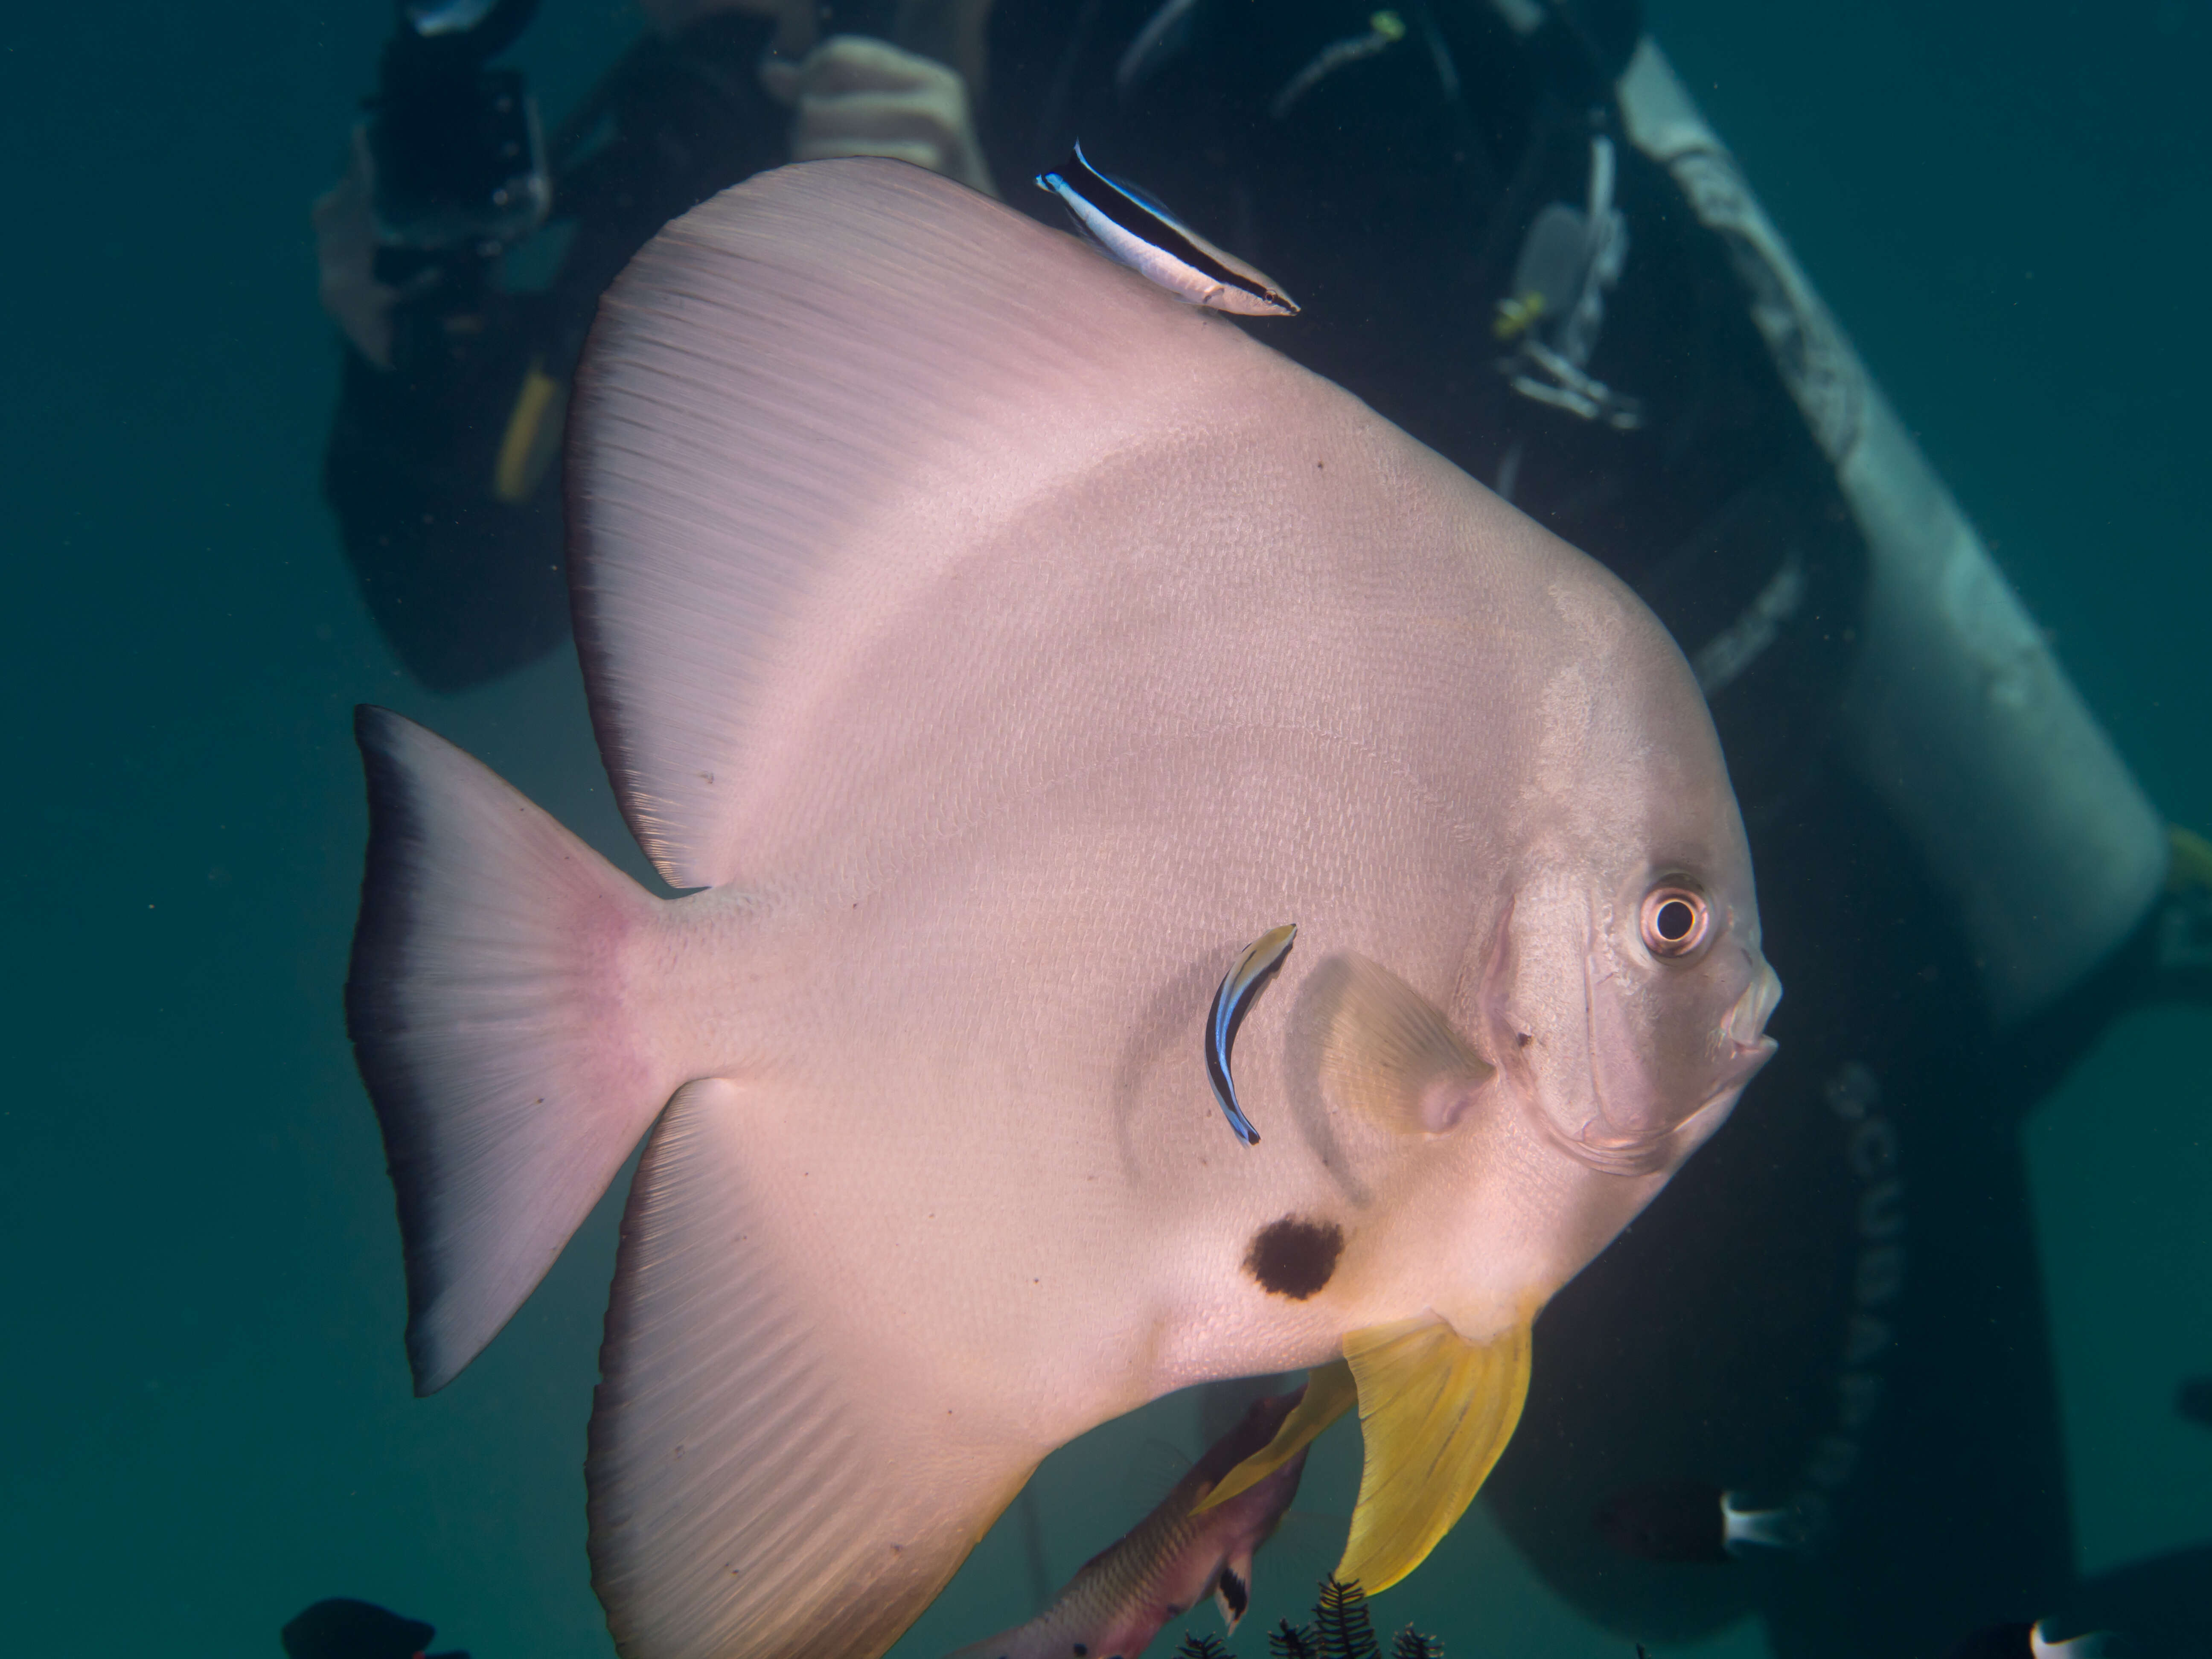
{"points": [[1435, 1411], [1392, 1054], [1329, 1394]]}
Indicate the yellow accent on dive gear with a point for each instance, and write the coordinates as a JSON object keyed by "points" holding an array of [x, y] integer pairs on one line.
{"points": [[533, 433], [1517, 315]]}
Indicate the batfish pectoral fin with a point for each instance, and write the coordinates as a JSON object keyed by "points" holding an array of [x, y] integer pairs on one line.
{"points": [[1392, 1055], [1330, 1393], [1435, 1410]]}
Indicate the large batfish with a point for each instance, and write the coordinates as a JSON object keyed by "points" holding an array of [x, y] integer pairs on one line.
{"points": [[1002, 648]]}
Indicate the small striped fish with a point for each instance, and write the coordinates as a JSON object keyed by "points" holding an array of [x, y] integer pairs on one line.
{"points": [[1148, 238], [1173, 1558], [1240, 987]]}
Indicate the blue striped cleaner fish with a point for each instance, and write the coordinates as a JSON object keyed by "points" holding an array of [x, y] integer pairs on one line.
{"points": [[1240, 988], [1145, 236]]}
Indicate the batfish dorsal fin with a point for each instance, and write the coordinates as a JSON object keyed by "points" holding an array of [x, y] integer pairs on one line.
{"points": [[805, 397]]}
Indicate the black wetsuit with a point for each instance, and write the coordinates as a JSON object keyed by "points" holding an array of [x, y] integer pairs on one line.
{"points": [[461, 559], [1837, 1303]]}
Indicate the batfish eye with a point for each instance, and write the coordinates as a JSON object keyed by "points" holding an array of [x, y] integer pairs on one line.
{"points": [[1675, 920]]}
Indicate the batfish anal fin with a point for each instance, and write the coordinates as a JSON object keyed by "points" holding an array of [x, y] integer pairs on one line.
{"points": [[1330, 1393], [764, 1479], [1435, 1411], [483, 1004], [1392, 1055]]}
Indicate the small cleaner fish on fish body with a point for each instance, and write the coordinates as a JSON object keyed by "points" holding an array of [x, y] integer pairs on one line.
{"points": [[1253, 968], [905, 534], [1131, 227], [1170, 1561]]}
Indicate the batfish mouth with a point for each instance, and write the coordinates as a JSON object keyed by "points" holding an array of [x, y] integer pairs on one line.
{"points": [[1745, 1024]]}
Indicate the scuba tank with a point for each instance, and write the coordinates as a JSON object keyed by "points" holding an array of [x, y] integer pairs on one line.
{"points": [[1956, 713]]}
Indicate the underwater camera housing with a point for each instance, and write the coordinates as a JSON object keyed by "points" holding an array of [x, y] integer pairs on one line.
{"points": [[879, 18], [459, 156]]}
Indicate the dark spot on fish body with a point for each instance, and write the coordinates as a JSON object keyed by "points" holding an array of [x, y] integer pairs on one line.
{"points": [[1080, 1650], [1293, 1257]]}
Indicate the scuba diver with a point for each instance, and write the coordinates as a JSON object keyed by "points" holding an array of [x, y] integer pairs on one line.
{"points": [[1511, 232], [441, 466]]}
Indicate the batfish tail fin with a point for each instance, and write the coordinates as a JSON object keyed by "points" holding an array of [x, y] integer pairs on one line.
{"points": [[485, 1002], [765, 1478]]}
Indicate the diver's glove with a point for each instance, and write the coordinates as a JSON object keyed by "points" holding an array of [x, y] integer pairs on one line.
{"points": [[854, 95]]}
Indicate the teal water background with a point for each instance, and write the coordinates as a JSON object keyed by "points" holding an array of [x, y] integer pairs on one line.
{"points": [[211, 1417]]}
